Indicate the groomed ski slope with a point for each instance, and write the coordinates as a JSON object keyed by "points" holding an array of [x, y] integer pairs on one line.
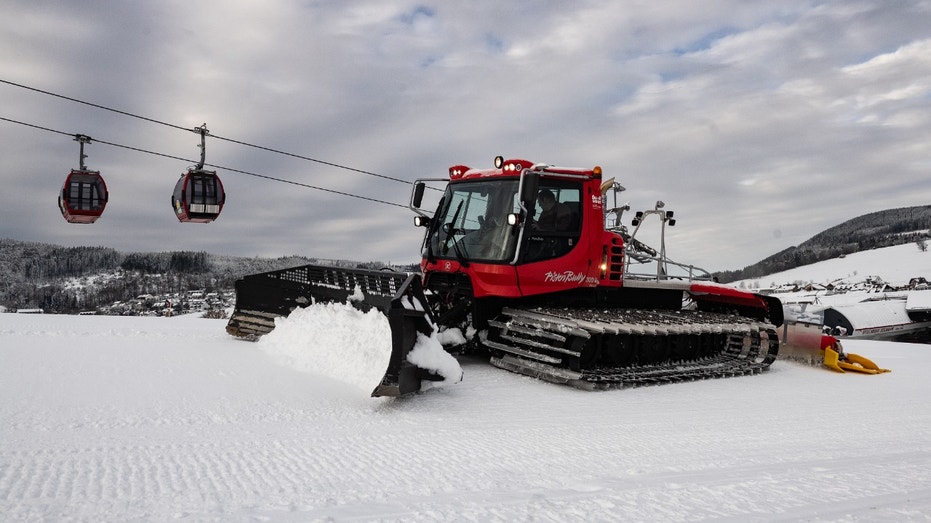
{"points": [[160, 419]]}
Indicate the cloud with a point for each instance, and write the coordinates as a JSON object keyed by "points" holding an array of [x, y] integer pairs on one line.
{"points": [[744, 118]]}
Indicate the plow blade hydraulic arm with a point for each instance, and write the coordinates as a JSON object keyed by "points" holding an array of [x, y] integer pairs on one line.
{"points": [[408, 315]]}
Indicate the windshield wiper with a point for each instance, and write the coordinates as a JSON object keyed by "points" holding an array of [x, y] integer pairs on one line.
{"points": [[451, 231], [433, 228], [459, 256]]}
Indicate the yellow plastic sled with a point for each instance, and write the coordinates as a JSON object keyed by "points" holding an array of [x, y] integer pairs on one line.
{"points": [[836, 359]]}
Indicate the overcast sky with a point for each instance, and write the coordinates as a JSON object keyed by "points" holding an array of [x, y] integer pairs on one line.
{"points": [[759, 123]]}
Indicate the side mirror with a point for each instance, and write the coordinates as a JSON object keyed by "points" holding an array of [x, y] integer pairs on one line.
{"points": [[417, 198], [530, 183], [421, 221]]}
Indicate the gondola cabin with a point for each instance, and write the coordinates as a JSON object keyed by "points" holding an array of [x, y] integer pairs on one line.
{"points": [[198, 196], [83, 196]]}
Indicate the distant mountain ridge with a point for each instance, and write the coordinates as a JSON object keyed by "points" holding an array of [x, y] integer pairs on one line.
{"points": [[869, 231]]}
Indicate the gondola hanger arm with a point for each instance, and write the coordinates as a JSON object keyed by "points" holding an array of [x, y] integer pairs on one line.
{"points": [[202, 130], [82, 139]]}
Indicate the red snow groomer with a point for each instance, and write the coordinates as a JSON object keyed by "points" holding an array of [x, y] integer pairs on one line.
{"points": [[532, 265]]}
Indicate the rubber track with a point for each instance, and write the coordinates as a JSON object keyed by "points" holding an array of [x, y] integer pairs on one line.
{"points": [[539, 342]]}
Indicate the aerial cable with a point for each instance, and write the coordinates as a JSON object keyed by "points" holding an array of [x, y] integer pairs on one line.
{"points": [[63, 97], [298, 156], [37, 126], [225, 168], [301, 184], [231, 140]]}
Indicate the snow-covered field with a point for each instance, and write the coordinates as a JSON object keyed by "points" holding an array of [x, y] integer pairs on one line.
{"points": [[159, 419], [895, 265]]}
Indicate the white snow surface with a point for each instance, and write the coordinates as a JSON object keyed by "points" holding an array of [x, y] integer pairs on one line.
{"points": [[895, 265], [158, 419], [315, 339]]}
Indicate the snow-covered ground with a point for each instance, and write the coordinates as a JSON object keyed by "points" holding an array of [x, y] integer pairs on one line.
{"points": [[895, 265], [158, 419], [108, 418]]}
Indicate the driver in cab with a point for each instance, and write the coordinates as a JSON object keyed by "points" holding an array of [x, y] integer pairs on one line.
{"points": [[555, 216]]}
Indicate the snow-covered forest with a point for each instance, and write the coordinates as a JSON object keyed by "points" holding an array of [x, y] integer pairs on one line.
{"points": [[75, 279], [906, 225]]}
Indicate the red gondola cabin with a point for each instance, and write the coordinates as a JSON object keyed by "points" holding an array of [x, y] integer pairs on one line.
{"points": [[198, 196], [83, 196]]}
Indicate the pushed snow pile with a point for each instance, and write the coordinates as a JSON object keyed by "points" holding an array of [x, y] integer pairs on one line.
{"points": [[334, 340], [428, 354], [341, 342]]}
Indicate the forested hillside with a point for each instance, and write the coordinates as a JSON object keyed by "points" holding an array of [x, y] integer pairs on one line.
{"points": [[870, 231], [74, 279]]}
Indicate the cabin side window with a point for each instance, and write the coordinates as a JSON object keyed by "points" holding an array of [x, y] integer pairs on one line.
{"points": [[556, 223]]}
